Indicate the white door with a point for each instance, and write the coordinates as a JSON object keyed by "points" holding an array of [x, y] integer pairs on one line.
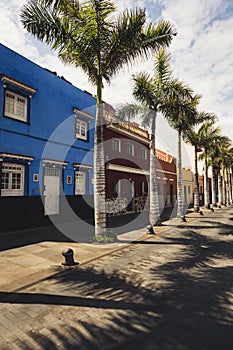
{"points": [[80, 182], [51, 190]]}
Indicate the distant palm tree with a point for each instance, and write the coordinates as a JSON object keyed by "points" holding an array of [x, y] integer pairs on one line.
{"points": [[229, 174], [208, 134], [86, 35], [193, 137], [216, 151], [226, 164]]}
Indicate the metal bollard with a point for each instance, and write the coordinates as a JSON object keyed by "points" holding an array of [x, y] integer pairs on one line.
{"points": [[150, 229], [69, 257]]}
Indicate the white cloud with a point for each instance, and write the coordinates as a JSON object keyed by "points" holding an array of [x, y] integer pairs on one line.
{"points": [[203, 52]]}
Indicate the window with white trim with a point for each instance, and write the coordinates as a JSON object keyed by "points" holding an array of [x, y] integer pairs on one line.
{"points": [[12, 179], [15, 106], [143, 154], [116, 145], [80, 182], [130, 149], [80, 129]]}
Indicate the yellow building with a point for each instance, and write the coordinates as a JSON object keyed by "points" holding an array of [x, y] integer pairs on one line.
{"points": [[188, 186]]}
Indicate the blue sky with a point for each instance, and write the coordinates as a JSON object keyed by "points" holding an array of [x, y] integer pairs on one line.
{"points": [[202, 55]]}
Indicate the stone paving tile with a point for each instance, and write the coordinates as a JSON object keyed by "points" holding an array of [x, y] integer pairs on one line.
{"points": [[26, 260], [4, 345], [33, 248], [7, 335]]}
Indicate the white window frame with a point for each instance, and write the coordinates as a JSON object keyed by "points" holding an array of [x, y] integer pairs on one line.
{"points": [[80, 126], [130, 149], [13, 104], [143, 153], [83, 191], [118, 143], [11, 169]]}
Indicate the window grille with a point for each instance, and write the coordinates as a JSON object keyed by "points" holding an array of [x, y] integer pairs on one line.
{"points": [[15, 106], [12, 180]]}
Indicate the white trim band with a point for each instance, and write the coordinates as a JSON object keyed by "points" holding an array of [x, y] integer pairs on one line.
{"points": [[126, 169], [9, 80], [16, 156], [83, 166]]}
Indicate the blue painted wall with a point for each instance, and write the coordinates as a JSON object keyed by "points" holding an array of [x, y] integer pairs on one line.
{"points": [[50, 132]]}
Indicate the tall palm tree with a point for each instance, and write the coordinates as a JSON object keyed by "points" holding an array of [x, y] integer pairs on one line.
{"points": [[219, 144], [181, 114], [226, 162], [193, 137], [230, 165], [85, 34], [168, 95], [149, 92], [153, 93], [208, 135]]}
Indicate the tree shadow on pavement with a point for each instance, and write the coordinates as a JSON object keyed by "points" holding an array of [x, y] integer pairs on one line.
{"points": [[184, 303]]}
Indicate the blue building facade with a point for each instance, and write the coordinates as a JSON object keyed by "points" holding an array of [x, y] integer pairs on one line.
{"points": [[46, 144]]}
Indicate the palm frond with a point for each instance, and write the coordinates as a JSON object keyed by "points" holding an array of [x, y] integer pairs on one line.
{"points": [[50, 21], [144, 91], [131, 39], [128, 112]]}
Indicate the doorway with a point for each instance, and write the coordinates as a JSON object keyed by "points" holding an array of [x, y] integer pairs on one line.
{"points": [[51, 190]]}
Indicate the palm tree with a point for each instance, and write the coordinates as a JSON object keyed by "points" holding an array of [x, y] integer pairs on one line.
{"points": [[208, 135], [86, 35], [230, 165], [152, 92], [229, 168], [149, 92], [226, 162], [168, 95], [219, 144], [181, 114], [193, 137]]}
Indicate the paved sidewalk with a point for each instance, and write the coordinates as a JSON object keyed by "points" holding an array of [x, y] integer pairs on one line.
{"points": [[30, 255], [38, 252], [29, 263]]}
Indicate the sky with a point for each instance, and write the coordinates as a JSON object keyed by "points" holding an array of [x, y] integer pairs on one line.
{"points": [[202, 57]]}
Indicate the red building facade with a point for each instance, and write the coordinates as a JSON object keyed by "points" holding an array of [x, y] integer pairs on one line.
{"points": [[127, 152]]}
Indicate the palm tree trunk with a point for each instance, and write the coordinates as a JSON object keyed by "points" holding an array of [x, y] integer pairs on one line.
{"points": [[231, 194], [206, 191], [99, 168], [154, 200], [228, 186], [220, 199], [180, 205], [213, 183], [223, 186], [196, 184]]}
